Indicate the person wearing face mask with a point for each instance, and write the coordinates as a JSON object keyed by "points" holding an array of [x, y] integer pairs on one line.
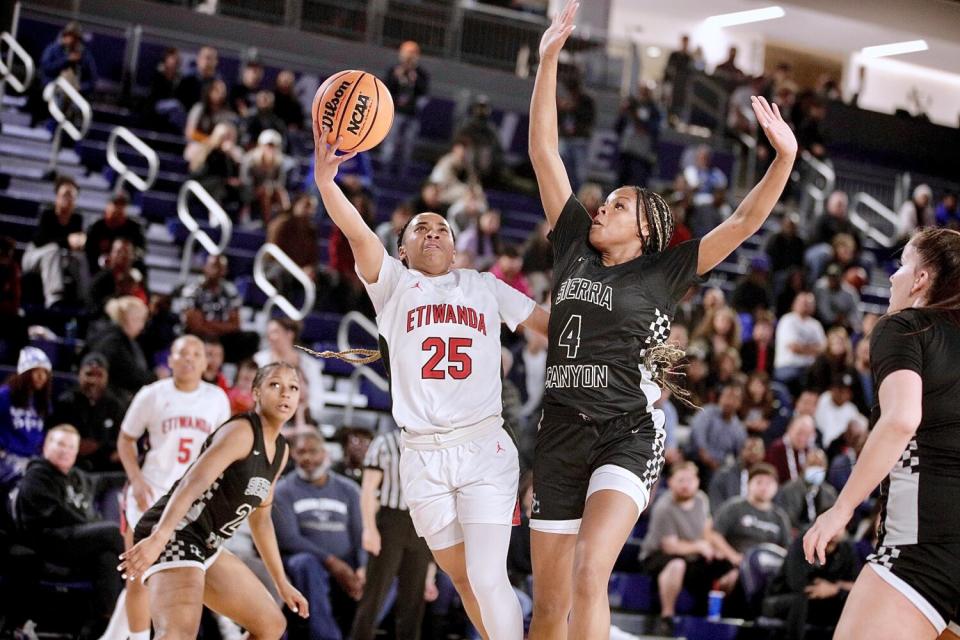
{"points": [[805, 498], [319, 530]]}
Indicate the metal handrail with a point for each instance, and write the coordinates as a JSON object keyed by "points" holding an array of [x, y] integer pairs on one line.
{"points": [[126, 174], [362, 371], [825, 171], [274, 297], [880, 209], [6, 70], [86, 113], [217, 217]]}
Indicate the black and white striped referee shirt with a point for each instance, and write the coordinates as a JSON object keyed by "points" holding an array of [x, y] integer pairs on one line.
{"points": [[384, 455]]}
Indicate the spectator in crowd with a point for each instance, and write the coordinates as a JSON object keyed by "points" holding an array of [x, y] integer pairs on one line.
{"points": [[834, 408], [807, 497], [948, 211], [282, 334], [191, 87], [753, 291], [788, 455], [114, 224], [389, 231], [703, 177], [96, 411], [55, 510], [844, 451], [56, 252], [263, 118], [717, 433], [243, 93], [677, 549], [479, 244], [538, 252], [759, 404], [590, 196], [129, 369], [727, 71], [211, 110], [838, 304], [708, 213], [454, 173], [864, 393], [810, 133], [800, 339], [744, 523], [794, 283], [837, 359], [677, 74], [671, 423], [24, 403], [210, 306], [395, 550], [486, 153], [15, 326], [718, 331], [835, 221], [428, 200], [576, 115], [263, 175], [638, 129], [465, 211], [295, 232], [69, 58], [348, 290], [812, 594], [241, 393], [917, 212], [509, 268], [758, 353], [213, 372], [286, 104], [355, 442], [731, 481], [215, 164], [162, 111], [118, 277], [319, 529], [786, 249], [409, 84]]}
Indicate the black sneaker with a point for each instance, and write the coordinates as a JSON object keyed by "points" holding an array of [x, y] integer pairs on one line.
{"points": [[664, 627]]}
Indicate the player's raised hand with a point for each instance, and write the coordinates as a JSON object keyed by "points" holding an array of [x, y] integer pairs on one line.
{"points": [[776, 129], [326, 161], [559, 30]]}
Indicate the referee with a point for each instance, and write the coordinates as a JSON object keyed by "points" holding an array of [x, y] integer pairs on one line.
{"points": [[396, 551]]}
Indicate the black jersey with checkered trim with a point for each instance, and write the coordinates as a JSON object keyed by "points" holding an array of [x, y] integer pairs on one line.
{"points": [[603, 319], [920, 496], [216, 514]]}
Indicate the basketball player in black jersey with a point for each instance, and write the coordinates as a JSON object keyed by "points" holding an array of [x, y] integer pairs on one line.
{"points": [[178, 548], [911, 585], [616, 283]]}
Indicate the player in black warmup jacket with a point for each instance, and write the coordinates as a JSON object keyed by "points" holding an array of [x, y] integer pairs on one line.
{"points": [[912, 586], [600, 444], [178, 550]]}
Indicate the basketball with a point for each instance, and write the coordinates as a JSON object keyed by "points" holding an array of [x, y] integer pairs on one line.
{"points": [[354, 105]]}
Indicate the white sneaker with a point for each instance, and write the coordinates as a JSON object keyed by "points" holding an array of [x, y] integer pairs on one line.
{"points": [[616, 633], [229, 630]]}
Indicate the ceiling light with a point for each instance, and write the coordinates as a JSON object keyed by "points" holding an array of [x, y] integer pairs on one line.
{"points": [[895, 48], [745, 17], [654, 52]]}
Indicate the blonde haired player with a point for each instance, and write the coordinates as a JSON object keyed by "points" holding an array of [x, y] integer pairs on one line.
{"points": [[440, 340], [177, 414]]}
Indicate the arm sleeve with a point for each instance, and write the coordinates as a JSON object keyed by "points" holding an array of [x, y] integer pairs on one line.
{"points": [[895, 345], [387, 280], [677, 268], [289, 539], [573, 224], [514, 306], [138, 415]]}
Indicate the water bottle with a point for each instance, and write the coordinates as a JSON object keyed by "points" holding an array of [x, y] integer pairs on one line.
{"points": [[714, 604]]}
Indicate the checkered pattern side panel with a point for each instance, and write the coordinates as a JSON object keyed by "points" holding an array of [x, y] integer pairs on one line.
{"points": [[659, 331], [655, 463], [200, 503], [884, 556], [909, 459]]}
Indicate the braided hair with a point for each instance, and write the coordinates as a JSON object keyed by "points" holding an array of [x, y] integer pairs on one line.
{"points": [[659, 220]]}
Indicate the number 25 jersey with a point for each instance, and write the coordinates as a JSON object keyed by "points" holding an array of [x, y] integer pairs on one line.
{"points": [[440, 341]]}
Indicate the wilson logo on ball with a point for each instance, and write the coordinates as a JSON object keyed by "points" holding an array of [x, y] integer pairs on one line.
{"points": [[355, 107], [331, 106]]}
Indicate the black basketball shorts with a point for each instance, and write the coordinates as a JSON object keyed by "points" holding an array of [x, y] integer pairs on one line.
{"points": [[575, 456], [184, 549]]}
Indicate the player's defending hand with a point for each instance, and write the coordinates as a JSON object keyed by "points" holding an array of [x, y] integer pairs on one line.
{"points": [[326, 160], [140, 557], [559, 30], [778, 132], [294, 599]]}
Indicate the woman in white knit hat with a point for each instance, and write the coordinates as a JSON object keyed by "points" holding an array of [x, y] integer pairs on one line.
{"points": [[24, 403]]}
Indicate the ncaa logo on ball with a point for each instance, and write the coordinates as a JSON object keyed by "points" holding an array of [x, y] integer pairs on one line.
{"points": [[359, 113], [331, 106]]}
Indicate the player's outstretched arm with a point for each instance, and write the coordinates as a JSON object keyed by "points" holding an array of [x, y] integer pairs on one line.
{"points": [[901, 408], [538, 321], [544, 137], [366, 246], [232, 442], [753, 211]]}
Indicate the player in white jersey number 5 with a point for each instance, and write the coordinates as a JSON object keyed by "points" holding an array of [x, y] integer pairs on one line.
{"points": [[440, 341]]}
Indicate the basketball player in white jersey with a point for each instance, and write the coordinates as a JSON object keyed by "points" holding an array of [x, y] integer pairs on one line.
{"points": [[440, 341], [177, 414]]}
